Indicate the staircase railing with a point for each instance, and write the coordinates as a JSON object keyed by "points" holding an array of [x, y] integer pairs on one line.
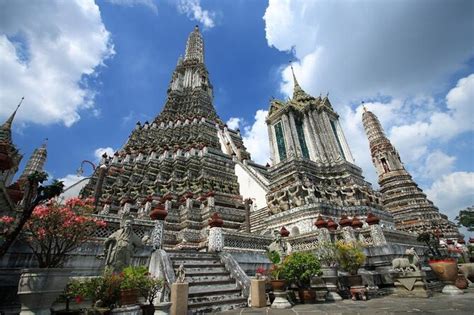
{"points": [[162, 267], [236, 272]]}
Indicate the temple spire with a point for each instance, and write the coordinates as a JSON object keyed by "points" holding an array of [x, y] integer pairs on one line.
{"points": [[9, 121], [36, 161], [195, 46], [6, 128], [298, 92]]}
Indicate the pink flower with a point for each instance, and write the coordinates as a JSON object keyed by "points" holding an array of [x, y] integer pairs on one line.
{"points": [[6, 219]]}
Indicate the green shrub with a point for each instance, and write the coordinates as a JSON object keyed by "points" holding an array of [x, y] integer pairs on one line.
{"points": [[300, 268]]}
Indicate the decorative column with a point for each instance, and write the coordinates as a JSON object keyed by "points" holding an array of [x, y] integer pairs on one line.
{"points": [[216, 238], [126, 204], [347, 231], [323, 232], [375, 230], [248, 203], [273, 146], [309, 133], [158, 214], [291, 150], [294, 135], [106, 207]]}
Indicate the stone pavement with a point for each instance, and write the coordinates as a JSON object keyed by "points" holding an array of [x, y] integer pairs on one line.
{"points": [[438, 304]]}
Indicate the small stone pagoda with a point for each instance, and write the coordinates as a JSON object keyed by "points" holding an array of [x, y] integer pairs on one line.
{"points": [[402, 197]]}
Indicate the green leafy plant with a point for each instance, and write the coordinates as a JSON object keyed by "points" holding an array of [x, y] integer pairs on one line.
{"points": [[326, 253], [151, 288], [466, 218], [300, 268], [274, 257], [134, 277], [432, 242], [276, 271], [350, 256]]}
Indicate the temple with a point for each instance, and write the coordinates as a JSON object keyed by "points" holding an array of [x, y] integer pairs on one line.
{"points": [[402, 197], [190, 190]]}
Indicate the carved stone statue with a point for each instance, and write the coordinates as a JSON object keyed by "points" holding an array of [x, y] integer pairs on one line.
{"points": [[407, 264], [180, 274], [279, 245], [120, 246]]}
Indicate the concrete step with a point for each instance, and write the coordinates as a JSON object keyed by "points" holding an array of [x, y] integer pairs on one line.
{"points": [[217, 276], [220, 289], [213, 295], [196, 261], [217, 306], [182, 253], [211, 282], [195, 269]]}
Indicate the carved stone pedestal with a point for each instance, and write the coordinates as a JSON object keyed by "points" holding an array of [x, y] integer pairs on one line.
{"points": [[162, 308], [331, 286], [280, 300], [318, 285], [127, 310], [411, 284], [358, 292]]}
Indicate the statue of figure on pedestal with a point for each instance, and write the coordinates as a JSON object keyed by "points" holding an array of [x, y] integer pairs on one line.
{"points": [[120, 246]]}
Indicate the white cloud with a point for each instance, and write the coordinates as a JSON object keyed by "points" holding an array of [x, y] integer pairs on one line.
{"points": [[194, 11], [100, 151], [131, 3], [72, 185], [453, 192], [233, 122], [49, 49], [256, 138], [437, 164], [361, 49]]}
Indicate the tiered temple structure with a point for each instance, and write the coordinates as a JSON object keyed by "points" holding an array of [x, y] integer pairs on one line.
{"points": [[176, 161], [314, 172], [410, 207]]}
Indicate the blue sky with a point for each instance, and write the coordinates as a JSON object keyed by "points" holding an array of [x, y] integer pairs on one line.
{"points": [[89, 71]]}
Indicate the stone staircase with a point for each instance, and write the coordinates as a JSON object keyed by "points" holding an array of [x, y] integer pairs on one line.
{"points": [[257, 220], [211, 287]]}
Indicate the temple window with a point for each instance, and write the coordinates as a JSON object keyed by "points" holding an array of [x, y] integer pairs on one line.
{"points": [[385, 165], [280, 141], [301, 139]]}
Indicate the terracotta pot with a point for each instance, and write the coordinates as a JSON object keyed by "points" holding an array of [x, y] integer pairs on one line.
{"points": [[461, 282], [128, 296], [307, 296], [38, 288], [354, 280], [445, 269], [278, 285]]}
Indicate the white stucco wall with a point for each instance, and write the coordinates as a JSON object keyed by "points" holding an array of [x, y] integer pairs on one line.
{"points": [[249, 188]]}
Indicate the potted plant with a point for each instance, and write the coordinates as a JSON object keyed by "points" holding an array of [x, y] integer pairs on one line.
{"points": [[149, 290], [52, 232], [300, 268], [134, 278], [257, 290], [444, 266], [326, 254], [276, 272], [350, 257]]}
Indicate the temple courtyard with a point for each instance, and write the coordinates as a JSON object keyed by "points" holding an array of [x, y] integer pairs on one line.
{"points": [[437, 304]]}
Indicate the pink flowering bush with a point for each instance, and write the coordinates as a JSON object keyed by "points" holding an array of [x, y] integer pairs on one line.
{"points": [[54, 230], [6, 225]]}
